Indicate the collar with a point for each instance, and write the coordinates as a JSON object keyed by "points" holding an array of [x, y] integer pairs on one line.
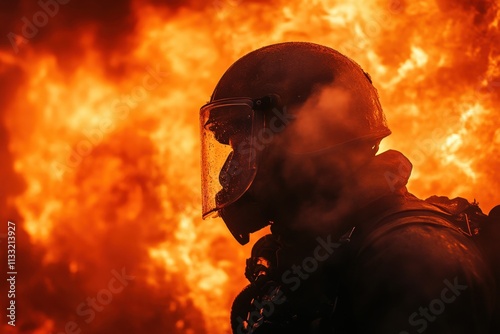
{"points": [[369, 190]]}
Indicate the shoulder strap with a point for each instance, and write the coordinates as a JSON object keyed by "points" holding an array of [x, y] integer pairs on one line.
{"points": [[424, 215]]}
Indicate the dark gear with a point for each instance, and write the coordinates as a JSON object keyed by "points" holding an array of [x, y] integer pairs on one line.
{"points": [[237, 125], [407, 266], [289, 139]]}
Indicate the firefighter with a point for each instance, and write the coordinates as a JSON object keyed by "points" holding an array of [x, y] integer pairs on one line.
{"points": [[290, 139]]}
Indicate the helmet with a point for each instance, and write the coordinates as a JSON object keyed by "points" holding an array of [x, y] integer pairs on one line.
{"points": [[323, 97]]}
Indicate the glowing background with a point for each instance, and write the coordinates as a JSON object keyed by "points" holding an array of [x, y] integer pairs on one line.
{"points": [[100, 170]]}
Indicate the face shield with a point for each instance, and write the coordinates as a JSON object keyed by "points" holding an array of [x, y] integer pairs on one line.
{"points": [[229, 128], [228, 160]]}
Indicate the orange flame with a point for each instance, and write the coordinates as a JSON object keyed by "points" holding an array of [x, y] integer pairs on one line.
{"points": [[101, 156]]}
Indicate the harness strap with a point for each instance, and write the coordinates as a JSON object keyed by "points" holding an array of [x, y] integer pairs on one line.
{"points": [[427, 216]]}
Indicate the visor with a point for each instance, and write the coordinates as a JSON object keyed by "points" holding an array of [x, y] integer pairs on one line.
{"points": [[228, 153]]}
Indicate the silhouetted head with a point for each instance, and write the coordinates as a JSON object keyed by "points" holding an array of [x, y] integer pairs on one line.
{"points": [[284, 123]]}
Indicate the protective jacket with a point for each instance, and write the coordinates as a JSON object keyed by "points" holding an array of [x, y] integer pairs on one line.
{"points": [[401, 267]]}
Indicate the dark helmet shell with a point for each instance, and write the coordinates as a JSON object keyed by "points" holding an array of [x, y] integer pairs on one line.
{"points": [[296, 71]]}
